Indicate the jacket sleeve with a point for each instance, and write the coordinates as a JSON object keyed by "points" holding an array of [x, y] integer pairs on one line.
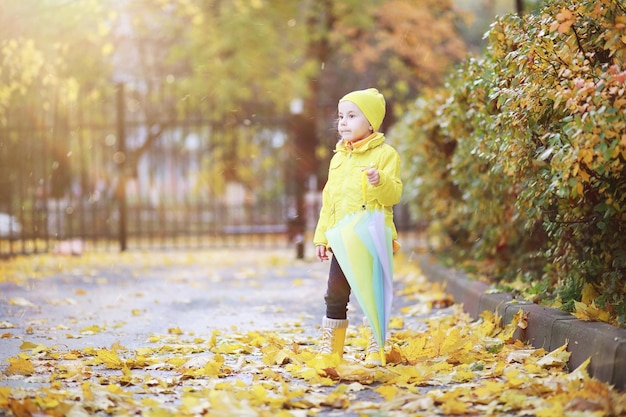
{"points": [[389, 190], [319, 237]]}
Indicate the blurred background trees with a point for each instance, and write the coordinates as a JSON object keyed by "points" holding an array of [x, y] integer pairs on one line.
{"points": [[242, 59]]}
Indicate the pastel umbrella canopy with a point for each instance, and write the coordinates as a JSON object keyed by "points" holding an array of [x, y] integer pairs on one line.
{"points": [[362, 244]]}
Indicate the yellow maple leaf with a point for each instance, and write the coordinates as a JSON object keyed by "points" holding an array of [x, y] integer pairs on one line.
{"points": [[87, 393], [580, 373], [514, 378], [451, 405], [354, 371], [175, 330], [258, 394], [213, 340], [388, 392], [226, 403], [5, 392], [455, 342], [228, 348], [20, 365], [438, 338], [488, 390], [581, 311], [93, 329], [109, 358], [509, 329], [589, 294], [26, 345], [557, 358], [488, 324], [462, 373], [413, 374], [178, 361], [396, 323], [275, 355], [514, 399], [214, 367], [415, 350], [590, 312], [337, 399]]}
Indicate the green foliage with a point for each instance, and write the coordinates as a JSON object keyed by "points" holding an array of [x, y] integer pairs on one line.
{"points": [[518, 162]]}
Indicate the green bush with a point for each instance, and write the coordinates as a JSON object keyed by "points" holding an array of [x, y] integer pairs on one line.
{"points": [[518, 161]]}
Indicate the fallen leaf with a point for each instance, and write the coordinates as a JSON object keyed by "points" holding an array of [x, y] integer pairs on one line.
{"points": [[20, 301], [20, 365], [558, 357]]}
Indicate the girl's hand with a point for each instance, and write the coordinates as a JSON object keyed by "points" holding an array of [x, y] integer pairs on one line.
{"points": [[373, 176], [321, 253]]}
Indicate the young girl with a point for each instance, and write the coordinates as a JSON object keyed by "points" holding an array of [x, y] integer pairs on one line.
{"points": [[361, 148]]}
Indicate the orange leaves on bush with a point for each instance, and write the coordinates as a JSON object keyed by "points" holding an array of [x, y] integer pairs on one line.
{"points": [[564, 21], [525, 149]]}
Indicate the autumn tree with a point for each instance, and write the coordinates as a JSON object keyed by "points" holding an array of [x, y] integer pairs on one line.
{"points": [[402, 46], [42, 51], [239, 63], [399, 46], [249, 61]]}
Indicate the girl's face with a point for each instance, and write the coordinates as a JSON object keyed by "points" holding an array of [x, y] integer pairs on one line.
{"points": [[352, 123]]}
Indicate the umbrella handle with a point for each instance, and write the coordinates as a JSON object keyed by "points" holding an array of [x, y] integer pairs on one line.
{"points": [[364, 187]]}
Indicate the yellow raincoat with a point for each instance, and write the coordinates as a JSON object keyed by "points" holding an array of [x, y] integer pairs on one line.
{"points": [[343, 192]]}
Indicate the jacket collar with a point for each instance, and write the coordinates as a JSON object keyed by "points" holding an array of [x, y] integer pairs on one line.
{"points": [[372, 141]]}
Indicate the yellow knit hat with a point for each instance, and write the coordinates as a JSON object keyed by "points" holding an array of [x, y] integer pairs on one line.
{"points": [[371, 103]]}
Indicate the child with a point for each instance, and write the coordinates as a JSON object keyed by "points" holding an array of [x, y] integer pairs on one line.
{"points": [[361, 148]]}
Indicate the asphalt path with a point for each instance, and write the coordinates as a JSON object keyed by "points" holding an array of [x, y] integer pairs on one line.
{"points": [[100, 300], [125, 299], [126, 302]]}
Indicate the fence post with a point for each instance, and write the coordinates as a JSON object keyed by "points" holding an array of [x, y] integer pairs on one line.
{"points": [[303, 131], [120, 159]]}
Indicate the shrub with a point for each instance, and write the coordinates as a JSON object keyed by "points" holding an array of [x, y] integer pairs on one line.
{"points": [[518, 161]]}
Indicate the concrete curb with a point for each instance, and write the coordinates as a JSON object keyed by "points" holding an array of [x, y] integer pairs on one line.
{"points": [[548, 328]]}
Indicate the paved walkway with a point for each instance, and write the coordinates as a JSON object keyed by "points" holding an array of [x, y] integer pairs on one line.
{"points": [[146, 294], [99, 305]]}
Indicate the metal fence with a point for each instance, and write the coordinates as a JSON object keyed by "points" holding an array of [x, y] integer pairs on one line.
{"points": [[127, 171], [131, 168]]}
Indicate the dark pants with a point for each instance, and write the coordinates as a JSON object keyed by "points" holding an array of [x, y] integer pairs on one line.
{"points": [[337, 293]]}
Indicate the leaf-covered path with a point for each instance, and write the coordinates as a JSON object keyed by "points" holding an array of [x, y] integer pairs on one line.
{"points": [[234, 333]]}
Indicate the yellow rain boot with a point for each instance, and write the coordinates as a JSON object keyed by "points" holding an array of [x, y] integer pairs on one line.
{"points": [[333, 336], [373, 354]]}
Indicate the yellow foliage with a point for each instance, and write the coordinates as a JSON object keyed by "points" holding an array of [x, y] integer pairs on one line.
{"points": [[557, 358], [388, 392], [478, 368], [452, 404], [109, 358], [20, 365], [590, 312]]}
